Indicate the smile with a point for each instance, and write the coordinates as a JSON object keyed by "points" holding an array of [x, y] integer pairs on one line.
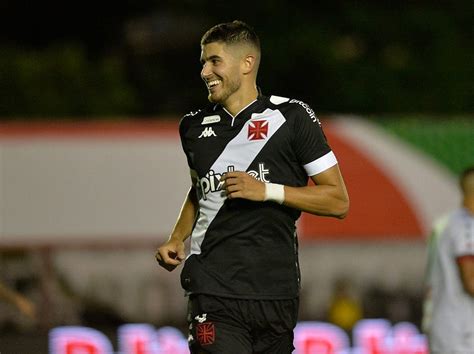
{"points": [[213, 83]]}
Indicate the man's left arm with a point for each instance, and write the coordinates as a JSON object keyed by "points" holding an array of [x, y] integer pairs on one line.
{"points": [[328, 197]]}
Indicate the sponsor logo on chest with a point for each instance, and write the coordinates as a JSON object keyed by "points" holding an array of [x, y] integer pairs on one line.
{"points": [[212, 182], [211, 119]]}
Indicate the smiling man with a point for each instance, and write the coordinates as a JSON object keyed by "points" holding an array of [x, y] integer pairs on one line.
{"points": [[230, 69], [250, 158]]}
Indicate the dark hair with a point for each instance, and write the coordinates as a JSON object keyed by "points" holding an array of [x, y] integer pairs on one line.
{"points": [[231, 33], [464, 175]]}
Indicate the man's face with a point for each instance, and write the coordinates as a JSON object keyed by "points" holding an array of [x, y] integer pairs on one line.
{"points": [[220, 71]]}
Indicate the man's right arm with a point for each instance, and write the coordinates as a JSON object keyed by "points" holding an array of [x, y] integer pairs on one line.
{"points": [[466, 269], [171, 253]]}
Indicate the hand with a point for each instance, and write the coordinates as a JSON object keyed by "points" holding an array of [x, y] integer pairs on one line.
{"points": [[171, 254], [240, 184]]}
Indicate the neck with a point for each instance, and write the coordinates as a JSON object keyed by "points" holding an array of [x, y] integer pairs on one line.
{"points": [[235, 104], [468, 203]]}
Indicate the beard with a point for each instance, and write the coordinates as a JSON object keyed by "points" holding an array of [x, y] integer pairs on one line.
{"points": [[227, 88]]}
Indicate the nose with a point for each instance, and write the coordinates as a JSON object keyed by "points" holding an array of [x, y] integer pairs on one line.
{"points": [[205, 71]]}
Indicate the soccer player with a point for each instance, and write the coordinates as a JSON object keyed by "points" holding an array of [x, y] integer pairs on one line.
{"points": [[249, 156], [449, 308]]}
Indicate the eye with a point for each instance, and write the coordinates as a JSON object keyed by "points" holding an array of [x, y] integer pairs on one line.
{"points": [[215, 60]]}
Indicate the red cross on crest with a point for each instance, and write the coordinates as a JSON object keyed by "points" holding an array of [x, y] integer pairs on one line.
{"points": [[258, 130], [206, 333]]}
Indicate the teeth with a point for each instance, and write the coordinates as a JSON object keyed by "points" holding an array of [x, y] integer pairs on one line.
{"points": [[213, 83]]}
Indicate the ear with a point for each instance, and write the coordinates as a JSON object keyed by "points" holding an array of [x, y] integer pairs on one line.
{"points": [[248, 64]]}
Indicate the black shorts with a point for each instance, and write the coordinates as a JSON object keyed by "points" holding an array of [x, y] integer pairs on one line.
{"points": [[235, 326]]}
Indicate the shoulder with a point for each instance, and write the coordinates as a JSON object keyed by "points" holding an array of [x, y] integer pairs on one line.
{"points": [[441, 222], [199, 113], [461, 217], [196, 116], [293, 108], [458, 215], [455, 223], [439, 226]]}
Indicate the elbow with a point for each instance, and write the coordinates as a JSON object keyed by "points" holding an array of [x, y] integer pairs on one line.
{"points": [[343, 213], [343, 206], [342, 209]]}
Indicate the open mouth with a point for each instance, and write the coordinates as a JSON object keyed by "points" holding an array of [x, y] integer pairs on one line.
{"points": [[213, 83]]}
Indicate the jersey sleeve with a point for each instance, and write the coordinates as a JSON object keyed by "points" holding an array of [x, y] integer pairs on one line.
{"points": [[309, 141]]}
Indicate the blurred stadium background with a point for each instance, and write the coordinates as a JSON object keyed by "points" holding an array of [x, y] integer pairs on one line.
{"points": [[92, 174]]}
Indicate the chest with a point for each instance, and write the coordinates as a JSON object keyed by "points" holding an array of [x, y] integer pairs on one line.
{"points": [[236, 143]]}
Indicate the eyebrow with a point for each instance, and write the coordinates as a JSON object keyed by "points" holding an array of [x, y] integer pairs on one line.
{"points": [[210, 58]]}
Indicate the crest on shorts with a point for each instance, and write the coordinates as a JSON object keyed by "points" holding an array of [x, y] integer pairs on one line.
{"points": [[206, 333]]}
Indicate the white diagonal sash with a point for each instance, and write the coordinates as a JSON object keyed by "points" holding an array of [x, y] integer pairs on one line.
{"points": [[240, 152]]}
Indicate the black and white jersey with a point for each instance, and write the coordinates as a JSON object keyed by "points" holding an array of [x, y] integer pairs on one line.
{"points": [[241, 248]]}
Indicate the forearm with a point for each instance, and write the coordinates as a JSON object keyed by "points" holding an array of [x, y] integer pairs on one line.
{"points": [[184, 224], [325, 200], [327, 197], [172, 252]]}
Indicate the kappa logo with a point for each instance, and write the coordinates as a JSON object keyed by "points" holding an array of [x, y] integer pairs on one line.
{"points": [[258, 130], [207, 132]]}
